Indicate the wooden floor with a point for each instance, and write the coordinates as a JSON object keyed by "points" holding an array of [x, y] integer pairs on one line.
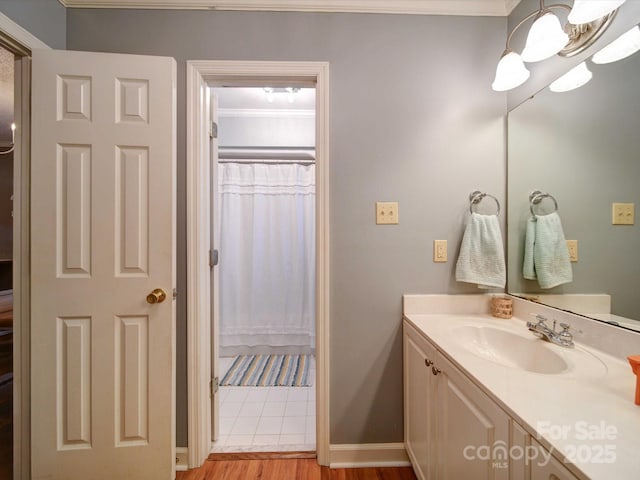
{"points": [[6, 432], [289, 469], [6, 385]]}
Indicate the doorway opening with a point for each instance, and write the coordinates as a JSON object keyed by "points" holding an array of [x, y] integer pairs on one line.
{"points": [[16, 45], [7, 149], [263, 207], [203, 402]]}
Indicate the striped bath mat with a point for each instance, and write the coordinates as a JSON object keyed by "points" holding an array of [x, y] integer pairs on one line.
{"points": [[268, 371]]}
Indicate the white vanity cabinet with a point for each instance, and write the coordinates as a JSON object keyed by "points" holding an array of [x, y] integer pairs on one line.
{"points": [[420, 399], [453, 430], [449, 422], [553, 470]]}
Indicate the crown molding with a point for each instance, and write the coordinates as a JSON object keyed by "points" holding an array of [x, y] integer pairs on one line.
{"points": [[408, 7], [510, 5]]}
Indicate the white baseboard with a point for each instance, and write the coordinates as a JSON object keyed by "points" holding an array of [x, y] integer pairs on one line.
{"points": [[368, 455], [182, 459]]}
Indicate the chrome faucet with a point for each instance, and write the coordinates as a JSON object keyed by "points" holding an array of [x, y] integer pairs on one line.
{"points": [[562, 338]]}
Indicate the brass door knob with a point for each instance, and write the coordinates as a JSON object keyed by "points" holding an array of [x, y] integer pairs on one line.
{"points": [[157, 296]]}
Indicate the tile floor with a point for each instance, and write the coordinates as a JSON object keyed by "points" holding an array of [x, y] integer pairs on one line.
{"points": [[255, 419]]}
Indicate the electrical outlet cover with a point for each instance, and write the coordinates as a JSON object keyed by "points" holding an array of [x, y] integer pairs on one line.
{"points": [[572, 246], [439, 251]]}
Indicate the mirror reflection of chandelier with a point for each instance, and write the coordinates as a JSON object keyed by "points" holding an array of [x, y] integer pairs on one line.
{"points": [[587, 20], [13, 141]]}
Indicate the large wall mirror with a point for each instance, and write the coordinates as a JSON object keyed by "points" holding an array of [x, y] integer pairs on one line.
{"points": [[583, 148]]}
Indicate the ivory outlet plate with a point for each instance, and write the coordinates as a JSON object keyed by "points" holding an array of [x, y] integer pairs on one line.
{"points": [[572, 246], [439, 251], [182, 460], [386, 213], [622, 214]]}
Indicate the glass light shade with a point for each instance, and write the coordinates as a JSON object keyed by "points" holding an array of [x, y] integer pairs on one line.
{"points": [[585, 11], [626, 44], [545, 39], [574, 78], [510, 72]]}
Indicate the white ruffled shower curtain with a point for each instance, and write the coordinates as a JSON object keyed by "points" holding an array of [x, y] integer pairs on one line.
{"points": [[267, 256]]}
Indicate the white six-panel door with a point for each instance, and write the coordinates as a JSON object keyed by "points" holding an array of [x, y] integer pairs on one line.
{"points": [[103, 238]]}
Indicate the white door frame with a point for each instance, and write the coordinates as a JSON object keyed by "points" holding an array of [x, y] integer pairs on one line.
{"points": [[199, 73], [21, 251]]}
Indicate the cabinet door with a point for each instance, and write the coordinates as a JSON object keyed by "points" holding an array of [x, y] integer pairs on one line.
{"points": [[520, 442], [474, 430], [419, 385], [549, 470]]}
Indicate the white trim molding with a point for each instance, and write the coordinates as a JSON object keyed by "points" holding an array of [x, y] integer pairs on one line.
{"points": [[19, 34], [408, 7], [369, 455], [198, 290], [24, 42], [200, 75]]}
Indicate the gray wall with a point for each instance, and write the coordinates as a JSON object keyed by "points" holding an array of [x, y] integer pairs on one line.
{"points": [[272, 130], [545, 72], [46, 19], [413, 119], [582, 147]]}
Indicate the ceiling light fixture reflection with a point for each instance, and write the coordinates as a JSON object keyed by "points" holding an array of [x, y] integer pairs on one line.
{"points": [[625, 45], [585, 11], [574, 78], [13, 141]]}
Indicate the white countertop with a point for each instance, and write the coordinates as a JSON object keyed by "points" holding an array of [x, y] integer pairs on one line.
{"points": [[593, 398], [616, 320]]}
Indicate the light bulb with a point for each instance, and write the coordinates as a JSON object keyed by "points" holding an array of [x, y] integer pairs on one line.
{"points": [[269, 92]]}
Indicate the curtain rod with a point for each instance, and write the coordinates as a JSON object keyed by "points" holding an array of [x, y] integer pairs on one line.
{"points": [[275, 154], [268, 162]]}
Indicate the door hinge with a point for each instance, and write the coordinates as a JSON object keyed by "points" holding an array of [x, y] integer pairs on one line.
{"points": [[214, 385], [213, 258], [213, 130]]}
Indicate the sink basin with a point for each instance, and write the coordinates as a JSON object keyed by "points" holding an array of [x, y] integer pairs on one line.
{"points": [[510, 349]]}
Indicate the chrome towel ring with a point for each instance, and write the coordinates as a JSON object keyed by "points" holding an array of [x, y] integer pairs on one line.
{"points": [[477, 196], [536, 197]]}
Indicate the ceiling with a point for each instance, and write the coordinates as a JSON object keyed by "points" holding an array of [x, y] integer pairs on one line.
{"points": [[415, 7]]}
